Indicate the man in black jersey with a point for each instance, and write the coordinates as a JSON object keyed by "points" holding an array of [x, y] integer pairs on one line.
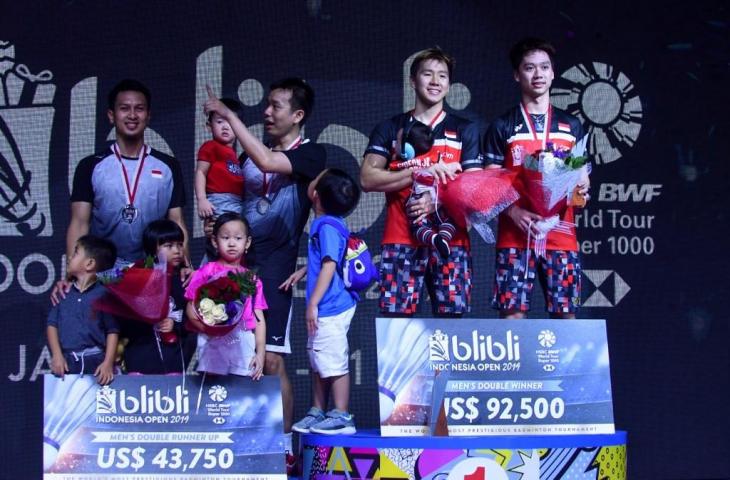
{"points": [[276, 205]]}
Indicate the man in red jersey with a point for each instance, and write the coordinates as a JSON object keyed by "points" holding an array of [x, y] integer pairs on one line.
{"points": [[405, 262], [525, 130]]}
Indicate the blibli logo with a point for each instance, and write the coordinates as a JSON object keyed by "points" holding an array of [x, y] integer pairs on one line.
{"points": [[145, 401], [438, 347], [485, 347]]}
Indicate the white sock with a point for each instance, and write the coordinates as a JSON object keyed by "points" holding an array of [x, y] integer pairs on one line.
{"points": [[287, 442]]}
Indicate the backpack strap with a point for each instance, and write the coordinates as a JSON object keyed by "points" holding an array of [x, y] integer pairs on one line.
{"points": [[343, 231], [327, 220]]}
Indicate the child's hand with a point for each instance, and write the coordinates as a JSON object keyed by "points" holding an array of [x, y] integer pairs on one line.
{"points": [[59, 366], [311, 316], [293, 279], [205, 209], [165, 325], [257, 366], [186, 274], [104, 373]]}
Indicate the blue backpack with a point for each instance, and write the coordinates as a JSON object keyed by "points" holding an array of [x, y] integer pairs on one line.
{"points": [[356, 266]]}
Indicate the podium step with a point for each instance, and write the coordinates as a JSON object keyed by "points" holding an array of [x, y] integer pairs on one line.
{"points": [[369, 455]]}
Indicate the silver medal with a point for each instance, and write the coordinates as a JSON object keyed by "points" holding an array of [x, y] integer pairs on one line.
{"points": [[129, 213], [262, 206]]}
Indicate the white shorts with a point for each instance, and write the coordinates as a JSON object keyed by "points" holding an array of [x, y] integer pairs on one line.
{"points": [[229, 354], [329, 353]]}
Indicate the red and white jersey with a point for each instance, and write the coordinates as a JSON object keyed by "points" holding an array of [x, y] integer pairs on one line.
{"points": [[455, 140], [508, 141]]}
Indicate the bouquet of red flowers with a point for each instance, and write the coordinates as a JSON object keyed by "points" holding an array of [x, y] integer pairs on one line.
{"points": [[219, 303], [140, 292], [475, 198]]}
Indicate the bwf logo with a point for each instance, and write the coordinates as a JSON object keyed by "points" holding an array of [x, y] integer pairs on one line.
{"points": [[438, 347], [26, 118], [547, 338], [217, 393]]}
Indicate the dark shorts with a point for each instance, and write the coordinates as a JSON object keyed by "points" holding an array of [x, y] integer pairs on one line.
{"points": [[83, 364], [559, 275], [403, 270], [278, 316]]}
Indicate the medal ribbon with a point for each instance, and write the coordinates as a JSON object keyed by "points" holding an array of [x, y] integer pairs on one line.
{"points": [[297, 141], [131, 192], [531, 124], [436, 119]]}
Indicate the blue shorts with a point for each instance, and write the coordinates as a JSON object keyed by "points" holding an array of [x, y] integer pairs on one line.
{"points": [[225, 202], [403, 270], [559, 275]]}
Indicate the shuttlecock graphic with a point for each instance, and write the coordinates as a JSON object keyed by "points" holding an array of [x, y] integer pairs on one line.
{"points": [[26, 118], [403, 352], [71, 401]]}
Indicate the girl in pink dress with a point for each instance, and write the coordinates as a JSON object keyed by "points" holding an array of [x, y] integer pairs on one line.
{"points": [[241, 351]]}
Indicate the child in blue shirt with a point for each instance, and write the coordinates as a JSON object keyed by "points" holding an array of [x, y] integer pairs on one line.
{"points": [[330, 307], [81, 338]]}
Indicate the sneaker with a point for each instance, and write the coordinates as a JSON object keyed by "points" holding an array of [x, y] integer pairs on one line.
{"points": [[441, 245], [336, 423], [314, 415]]}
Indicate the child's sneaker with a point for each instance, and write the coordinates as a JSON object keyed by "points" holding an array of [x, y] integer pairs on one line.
{"points": [[314, 415], [336, 423]]}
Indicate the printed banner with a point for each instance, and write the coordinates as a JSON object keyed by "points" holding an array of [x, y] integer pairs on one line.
{"points": [[162, 427], [550, 463], [494, 377]]}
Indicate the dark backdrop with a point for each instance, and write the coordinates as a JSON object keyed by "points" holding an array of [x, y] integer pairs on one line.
{"points": [[648, 79]]}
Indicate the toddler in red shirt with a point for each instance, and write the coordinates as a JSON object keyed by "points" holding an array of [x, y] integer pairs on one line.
{"points": [[218, 173]]}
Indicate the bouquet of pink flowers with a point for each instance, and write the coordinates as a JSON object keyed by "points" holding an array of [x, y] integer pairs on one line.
{"points": [[219, 303]]}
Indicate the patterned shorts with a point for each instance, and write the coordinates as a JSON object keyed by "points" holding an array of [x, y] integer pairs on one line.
{"points": [[559, 276], [403, 270]]}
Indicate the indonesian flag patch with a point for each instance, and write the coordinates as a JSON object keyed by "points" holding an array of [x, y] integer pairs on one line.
{"points": [[156, 173], [450, 135], [564, 127]]}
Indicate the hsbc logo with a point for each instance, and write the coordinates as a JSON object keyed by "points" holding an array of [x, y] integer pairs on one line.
{"points": [[610, 288]]}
